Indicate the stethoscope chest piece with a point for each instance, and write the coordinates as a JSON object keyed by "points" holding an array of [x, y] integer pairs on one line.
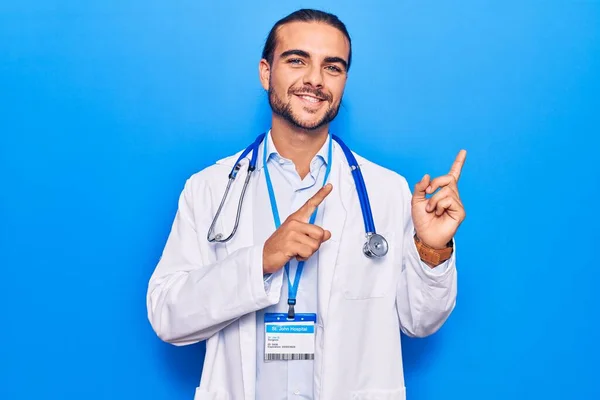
{"points": [[376, 246]]}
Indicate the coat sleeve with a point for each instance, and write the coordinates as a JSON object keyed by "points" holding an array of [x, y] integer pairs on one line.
{"points": [[425, 296], [191, 296]]}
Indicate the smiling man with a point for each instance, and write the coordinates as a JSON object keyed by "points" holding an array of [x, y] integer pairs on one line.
{"points": [[305, 298]]}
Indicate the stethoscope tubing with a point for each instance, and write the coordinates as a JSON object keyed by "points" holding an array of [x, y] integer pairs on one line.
{"points": [[357, 176], [361, 189]]}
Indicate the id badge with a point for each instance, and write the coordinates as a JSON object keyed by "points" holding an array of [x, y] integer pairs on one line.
{"points": [[289, 339]]}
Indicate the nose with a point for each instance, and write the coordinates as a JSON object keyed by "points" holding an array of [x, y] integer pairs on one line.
{"points": [[313, 76]]}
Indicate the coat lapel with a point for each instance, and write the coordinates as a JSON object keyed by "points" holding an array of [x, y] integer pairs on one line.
{"points": [[244, 237], [334, 218]]}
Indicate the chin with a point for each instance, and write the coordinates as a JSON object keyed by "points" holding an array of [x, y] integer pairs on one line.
{"points": [[310, 119], [309, 124]]}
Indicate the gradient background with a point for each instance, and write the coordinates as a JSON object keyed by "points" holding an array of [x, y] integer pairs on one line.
{"points": [[107, 107]]}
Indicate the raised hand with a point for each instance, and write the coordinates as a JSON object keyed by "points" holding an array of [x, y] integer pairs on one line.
{"points": [[437, 219], [296, 237]]}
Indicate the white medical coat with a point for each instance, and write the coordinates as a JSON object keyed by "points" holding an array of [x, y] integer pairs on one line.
{"points": [[206, 291]]}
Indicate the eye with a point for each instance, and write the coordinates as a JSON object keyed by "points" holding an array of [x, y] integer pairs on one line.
{"points": [[295, 61], [334, 69]]}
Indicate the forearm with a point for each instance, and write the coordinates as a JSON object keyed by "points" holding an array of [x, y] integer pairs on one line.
{"points": [[192, 303], [425, 296]]}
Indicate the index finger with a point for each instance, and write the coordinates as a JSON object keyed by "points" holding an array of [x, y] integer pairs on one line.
{"points": [[458, 164], [311, 204]]}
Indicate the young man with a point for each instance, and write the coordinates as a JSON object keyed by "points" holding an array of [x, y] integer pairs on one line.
{"points": [[334, 333]]}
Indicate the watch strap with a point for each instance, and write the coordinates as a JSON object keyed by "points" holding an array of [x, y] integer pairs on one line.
{"points": [[431, 255]]}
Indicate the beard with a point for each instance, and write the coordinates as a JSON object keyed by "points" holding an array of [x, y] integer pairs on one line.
{"points": [[284, 110]]}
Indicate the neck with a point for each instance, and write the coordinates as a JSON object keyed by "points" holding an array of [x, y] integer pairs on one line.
{"points": [[296, 144]]}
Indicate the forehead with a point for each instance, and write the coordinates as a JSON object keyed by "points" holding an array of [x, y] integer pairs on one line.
{"points": [[316, 38]]}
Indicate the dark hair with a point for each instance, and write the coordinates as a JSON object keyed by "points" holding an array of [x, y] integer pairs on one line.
{"points": [[304, 15]]}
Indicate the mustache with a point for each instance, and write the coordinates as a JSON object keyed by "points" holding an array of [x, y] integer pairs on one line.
{"points": [[306, 90]]}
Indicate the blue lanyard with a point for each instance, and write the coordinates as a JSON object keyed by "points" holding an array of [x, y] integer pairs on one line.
{"points": [[292, 288]]}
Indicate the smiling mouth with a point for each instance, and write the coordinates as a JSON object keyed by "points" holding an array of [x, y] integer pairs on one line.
{"points": [[310, 99]]}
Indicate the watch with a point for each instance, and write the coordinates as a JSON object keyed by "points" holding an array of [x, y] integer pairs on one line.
{"points": [[431, 255]]}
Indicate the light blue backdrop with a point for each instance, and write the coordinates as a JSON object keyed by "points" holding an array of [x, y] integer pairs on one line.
{"points": [[107, 107]]}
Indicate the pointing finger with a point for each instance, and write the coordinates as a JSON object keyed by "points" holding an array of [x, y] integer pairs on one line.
{"points": [[311, 205], [458, 164]]}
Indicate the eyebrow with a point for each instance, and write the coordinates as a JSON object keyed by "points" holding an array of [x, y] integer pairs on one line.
{"points": [[339, 60], [302, 53]]}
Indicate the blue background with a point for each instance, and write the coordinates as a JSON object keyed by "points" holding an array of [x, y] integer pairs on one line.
{"points": [[107, 107]]}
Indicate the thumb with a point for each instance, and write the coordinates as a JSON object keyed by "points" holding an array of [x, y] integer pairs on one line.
{"points": [[326, 236], [420, 187]]}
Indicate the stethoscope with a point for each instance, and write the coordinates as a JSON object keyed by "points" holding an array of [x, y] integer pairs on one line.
{"points": [[375, 245]]}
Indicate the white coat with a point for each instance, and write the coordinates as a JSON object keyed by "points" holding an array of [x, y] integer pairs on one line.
{"points": [[203, 291]]}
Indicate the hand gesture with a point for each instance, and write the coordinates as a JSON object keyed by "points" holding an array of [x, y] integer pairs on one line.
{"points": [[437, 219], [296, 237]]}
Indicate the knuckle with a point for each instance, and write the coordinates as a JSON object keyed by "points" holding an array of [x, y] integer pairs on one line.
{"points": [[290, 235]]}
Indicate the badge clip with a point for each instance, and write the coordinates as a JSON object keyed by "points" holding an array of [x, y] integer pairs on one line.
{"points": [[291, 312]]}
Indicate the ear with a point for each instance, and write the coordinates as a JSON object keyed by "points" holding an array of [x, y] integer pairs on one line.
{"points": [[264, 73]]}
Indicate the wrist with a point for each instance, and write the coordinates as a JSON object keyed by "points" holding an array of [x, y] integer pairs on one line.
{"points": [[433, 256], [267, 269], [433, 244], [269, 265]]}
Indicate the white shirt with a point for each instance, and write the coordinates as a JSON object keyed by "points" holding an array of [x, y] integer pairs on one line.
{"points": [[286, 380]]}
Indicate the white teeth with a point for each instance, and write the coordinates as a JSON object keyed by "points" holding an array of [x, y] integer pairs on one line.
{"points": [[311, 99]]}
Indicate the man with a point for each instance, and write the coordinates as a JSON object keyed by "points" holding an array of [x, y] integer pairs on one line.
{"points": [[334, 333]]}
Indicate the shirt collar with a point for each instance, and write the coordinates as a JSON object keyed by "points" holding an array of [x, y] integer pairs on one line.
{"points": [[273, 154]]}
